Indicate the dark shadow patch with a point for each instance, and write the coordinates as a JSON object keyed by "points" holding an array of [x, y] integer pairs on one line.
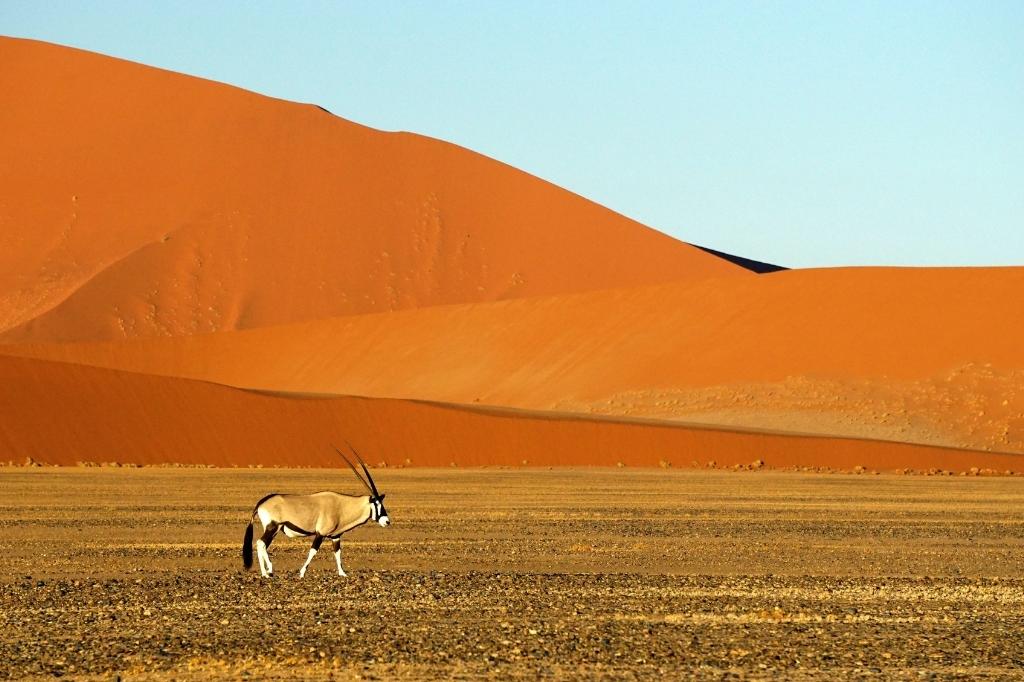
{"points": [[746, 263]]}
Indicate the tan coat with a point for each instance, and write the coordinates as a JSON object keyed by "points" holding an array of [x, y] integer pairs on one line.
{"points": [[327, 514]]}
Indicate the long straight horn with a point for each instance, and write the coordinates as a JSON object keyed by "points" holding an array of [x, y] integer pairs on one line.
{"points": [[353, 468], [373, 486]]}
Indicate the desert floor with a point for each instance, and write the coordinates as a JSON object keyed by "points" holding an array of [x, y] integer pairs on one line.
{"points": [[616, 573]]}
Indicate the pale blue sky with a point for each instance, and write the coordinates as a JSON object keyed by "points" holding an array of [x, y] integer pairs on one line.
{"points": [[803, 133]]}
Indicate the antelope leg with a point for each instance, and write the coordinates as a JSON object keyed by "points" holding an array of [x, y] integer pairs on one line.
{"points": [[263, 550], [337, 558], [317, 540]]}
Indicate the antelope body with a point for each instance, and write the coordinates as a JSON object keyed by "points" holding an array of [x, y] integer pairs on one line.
{"points": [[320, 515]]}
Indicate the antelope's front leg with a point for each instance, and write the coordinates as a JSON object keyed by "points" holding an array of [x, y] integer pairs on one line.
{"points": [[317, 540], [337, 558]]}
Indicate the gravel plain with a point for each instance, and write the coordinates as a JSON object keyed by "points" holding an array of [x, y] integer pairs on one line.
{"points": [[618, 574]]}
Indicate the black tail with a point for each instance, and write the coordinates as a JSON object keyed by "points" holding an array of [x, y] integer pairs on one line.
{"points": [[247, 547]]}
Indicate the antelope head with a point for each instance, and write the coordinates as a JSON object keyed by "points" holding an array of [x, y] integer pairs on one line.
{"points": [[377, 511]]}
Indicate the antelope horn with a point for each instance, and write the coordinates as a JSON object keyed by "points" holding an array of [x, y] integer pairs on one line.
{"points": [[373, 486], [353, 468]]}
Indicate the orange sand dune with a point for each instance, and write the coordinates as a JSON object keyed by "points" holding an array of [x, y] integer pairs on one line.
{"points": [[141, 209], [923, 355], [107, 415], [136, 202]]}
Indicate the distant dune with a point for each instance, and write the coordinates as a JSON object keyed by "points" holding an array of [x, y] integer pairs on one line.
{"points": [[138, 202], [166, 241]]}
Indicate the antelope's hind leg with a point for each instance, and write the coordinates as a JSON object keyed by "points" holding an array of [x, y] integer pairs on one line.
{"points": [[263, 549], [317, 541], [337, 557]]}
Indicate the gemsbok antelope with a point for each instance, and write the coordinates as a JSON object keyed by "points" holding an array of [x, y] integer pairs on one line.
{"points": [[320, 515]]}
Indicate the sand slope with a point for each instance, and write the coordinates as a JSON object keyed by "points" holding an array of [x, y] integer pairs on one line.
{"points": [[925, 355], [138, 202], [107, 415], [184, 229]]}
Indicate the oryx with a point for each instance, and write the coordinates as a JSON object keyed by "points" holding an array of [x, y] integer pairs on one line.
{"points": [[320, 515]]}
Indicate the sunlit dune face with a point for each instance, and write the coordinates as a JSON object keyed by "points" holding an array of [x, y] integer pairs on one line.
{"points": [[169, 228]]}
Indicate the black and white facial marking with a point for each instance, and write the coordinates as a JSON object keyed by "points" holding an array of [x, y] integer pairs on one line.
{"points": [[377, 511]]}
